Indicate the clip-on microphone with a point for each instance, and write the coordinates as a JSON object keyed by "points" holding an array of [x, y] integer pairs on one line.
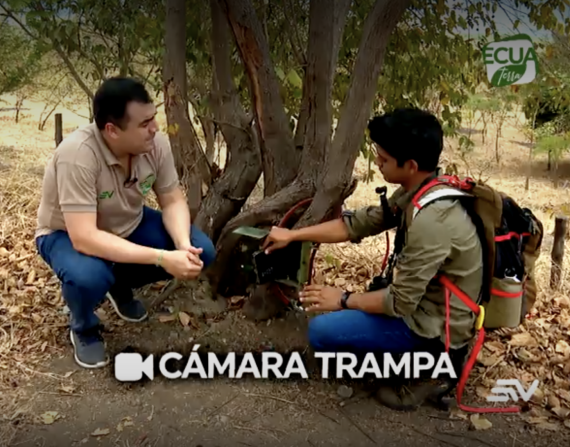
{"points": [[130, 182]]}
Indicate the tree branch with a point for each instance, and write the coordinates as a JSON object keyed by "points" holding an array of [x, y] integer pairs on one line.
{"points": [[293, 33], [325, 30], [11, 15], [184, 141], [356, 109], [64, 58], [243, 165], [72, 71], [280, 158]]}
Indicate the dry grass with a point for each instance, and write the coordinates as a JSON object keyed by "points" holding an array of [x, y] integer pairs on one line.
{"points": [[30, 308]]}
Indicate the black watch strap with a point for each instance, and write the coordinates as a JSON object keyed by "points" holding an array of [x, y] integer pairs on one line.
{"points": [[344, 299]]}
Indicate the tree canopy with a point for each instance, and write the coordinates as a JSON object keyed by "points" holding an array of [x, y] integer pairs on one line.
{"points": [[288, 85]]}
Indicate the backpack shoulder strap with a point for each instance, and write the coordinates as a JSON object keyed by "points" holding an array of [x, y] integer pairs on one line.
{"points": [[446, 187], [440, 188], [437, 193]]}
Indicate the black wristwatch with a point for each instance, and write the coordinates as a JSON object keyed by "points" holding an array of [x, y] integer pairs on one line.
{"points": [[344, 299]]}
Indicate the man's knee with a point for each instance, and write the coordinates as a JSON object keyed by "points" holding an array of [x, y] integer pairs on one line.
{"points": [[92, 276], [87, 273], [201, 240]]}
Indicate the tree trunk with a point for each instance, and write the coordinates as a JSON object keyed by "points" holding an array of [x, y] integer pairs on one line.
{"points": [[325, 31], [209, 128], [497, 156], [19, 104], [243, 162], [43, 119], [323, 168], [326, 24], [340, 13], [280, 158], [529, 169], [183, 139], [356, 109], [322, 56], [530, 150]]}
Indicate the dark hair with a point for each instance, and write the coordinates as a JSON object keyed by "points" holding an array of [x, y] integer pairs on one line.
{"points": [[113, 96], [409, 134]]}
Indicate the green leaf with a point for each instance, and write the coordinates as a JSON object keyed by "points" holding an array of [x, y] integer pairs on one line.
{"points": [[280, 73], [294, 79]]}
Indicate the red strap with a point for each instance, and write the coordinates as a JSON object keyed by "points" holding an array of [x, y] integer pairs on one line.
{"points": [[459, 294], [510, 235], [447, 318], [451, 180], [504, 294], [452, 288]]}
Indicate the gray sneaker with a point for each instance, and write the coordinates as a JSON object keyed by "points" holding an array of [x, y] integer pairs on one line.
{"points": [[89, 349], [131, 310]]}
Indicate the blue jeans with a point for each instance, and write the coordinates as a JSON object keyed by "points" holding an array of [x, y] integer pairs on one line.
{"points": [[359, 332], [86, 280]]}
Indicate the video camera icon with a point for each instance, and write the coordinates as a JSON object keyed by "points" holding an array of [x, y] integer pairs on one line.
{"points": [[130, 367]]}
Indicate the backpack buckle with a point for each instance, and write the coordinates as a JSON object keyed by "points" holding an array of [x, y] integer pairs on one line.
{"points": [[480, 318], [466, 184]]}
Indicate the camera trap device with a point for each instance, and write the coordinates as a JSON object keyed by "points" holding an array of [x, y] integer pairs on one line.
{"points": [[290, 266]]}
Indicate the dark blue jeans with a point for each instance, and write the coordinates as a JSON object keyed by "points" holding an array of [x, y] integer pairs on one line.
{"points": [[86, 280], [359, 332]]}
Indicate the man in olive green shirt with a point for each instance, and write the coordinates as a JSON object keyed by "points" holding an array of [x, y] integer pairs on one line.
{"points": [[408, 315]]}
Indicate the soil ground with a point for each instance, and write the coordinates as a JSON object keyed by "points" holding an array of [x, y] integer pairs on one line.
{"points": [[222, 412], [52, 401]]}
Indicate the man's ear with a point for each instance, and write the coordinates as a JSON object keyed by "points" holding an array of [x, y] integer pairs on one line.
{"points": [[112, 130], [413, 166]]}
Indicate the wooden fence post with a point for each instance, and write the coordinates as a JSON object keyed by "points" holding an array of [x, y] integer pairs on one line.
{"points": [[557, 254], [58, 129]]}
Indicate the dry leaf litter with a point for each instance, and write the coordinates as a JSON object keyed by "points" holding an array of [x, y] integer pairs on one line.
{"points": [[538, 349], [33, 317]]}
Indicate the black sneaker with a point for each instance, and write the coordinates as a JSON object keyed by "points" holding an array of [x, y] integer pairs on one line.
{"points": [[132, 310], [89, 348]]}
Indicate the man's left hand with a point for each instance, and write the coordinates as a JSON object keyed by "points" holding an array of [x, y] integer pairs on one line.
{"points": [[193, 253], [321, 298]]}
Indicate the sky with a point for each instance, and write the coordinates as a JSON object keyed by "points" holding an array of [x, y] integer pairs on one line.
{"points": [[504, 19]]}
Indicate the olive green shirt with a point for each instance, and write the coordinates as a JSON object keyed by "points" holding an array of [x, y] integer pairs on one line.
{"points": [[441, 239]]}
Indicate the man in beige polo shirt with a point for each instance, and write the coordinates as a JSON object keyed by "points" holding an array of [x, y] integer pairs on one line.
{"points": [[94, 229]]}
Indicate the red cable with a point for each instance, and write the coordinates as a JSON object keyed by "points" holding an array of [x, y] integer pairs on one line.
{"points": [[289, 213], [282, 223]]}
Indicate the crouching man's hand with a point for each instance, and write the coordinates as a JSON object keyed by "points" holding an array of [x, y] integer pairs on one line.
{"points": [[193, 253], [321, 298], [179, 264]]}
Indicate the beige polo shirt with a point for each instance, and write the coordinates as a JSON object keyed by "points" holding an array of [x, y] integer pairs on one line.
{"points": [[85, 176]]}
